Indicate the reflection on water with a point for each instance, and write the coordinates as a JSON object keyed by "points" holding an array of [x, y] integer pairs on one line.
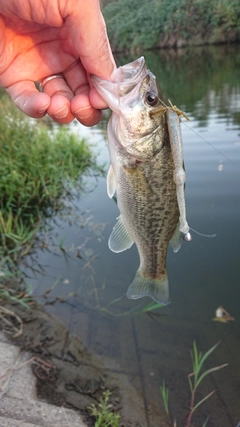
{"points": [[87, 282]]}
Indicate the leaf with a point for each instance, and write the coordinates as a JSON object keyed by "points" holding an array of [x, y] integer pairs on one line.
{"points": [[205, 422], [209, 371], [152, 306], [198, 359], [165, 396], [190, 383], [207, 354], [203, 400]]}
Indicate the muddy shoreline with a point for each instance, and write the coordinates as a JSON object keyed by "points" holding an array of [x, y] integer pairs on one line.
{"points": [[74, 377]]}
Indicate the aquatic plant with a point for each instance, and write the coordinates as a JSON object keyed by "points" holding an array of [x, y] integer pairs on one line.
{"points": [[149, 308], [165, 396], [15, 296], [103, 413], [194, 379]]}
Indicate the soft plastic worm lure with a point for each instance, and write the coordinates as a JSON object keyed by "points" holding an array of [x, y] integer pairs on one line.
{"points": [[175, 135]]}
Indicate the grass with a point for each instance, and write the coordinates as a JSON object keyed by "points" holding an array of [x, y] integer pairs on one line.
{"points": [[195, 379], [165, 396], [39, 167], [103, 413], [15, 296]]}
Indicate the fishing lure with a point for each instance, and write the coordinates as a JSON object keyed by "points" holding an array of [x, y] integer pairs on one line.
{"points": [[179, 176]]}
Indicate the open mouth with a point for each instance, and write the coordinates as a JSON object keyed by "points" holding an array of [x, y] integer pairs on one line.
{"points": [[129, 72], [129, 76]]}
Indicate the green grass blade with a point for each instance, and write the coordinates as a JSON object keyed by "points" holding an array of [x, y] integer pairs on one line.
{"points": [[190, 383], [203, 400], [207, 354], [205, 422], [165, 396], [199, 359], [209, 371], [152, 306]]}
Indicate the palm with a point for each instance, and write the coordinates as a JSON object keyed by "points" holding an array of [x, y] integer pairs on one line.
{"points": [[35, 54]]}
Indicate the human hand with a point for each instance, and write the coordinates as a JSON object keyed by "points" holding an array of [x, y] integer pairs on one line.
{"points": [[40, 38]]}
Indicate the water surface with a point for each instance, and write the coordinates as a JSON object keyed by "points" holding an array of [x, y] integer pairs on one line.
{"points": [[88, 282]]}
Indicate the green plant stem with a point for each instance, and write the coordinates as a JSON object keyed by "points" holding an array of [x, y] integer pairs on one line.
{"points": [[194, 407], [198, 361], [191, 409]]}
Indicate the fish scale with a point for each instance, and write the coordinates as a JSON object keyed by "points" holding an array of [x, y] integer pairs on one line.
{"points": [[146, 173]]}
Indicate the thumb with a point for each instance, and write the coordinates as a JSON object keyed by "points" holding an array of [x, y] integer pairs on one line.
{"points": [[92, 41]]}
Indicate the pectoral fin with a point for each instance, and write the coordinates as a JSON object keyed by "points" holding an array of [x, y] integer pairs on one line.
{"points": [[111, 182], [120, 239], [176, 240]]}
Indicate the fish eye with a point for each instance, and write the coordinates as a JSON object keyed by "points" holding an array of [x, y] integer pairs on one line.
{"points": [[151, 99]]}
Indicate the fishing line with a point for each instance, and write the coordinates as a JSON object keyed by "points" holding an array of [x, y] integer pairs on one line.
{"points": [[207, 142], [202, 234], [211, 145]]}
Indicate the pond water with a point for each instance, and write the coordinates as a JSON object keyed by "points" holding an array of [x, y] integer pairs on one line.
{"points": [[85, 283]]}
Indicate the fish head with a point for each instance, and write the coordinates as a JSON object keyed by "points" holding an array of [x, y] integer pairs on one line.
{"points": [[132, 94]]}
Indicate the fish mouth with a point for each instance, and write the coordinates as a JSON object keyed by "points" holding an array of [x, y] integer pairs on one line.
{"points": [[129, 76], [123, 79], [131, 71]]}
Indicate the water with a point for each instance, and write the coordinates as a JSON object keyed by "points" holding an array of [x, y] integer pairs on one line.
{"points": [[88, 282]]}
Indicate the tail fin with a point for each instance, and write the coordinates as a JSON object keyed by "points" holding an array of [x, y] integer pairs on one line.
{"points": [[154, 288]]}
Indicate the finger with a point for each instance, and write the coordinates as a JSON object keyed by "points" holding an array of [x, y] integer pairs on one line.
{"points": [[60, 94], [81, 106], [28, 99], [96, 100], [83, 110], [78, 80]]}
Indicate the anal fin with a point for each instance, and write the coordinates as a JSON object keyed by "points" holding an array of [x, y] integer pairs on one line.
{"points": [[176, 240]]}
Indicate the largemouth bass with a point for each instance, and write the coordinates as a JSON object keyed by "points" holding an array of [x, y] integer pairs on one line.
{"points": [[147, 174]]}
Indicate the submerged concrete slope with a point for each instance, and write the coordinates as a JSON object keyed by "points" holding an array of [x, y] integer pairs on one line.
{"points": [[19, 406]]}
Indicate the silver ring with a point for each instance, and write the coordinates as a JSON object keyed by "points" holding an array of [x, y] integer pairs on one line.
{"points": [[43, 83]]}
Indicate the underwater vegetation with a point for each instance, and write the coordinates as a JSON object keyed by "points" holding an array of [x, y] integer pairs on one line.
{"points": [[194, 379]]}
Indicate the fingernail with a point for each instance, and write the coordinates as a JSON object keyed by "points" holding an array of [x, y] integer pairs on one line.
{"points": [[43, 109], [83, 113], [63, 112]]}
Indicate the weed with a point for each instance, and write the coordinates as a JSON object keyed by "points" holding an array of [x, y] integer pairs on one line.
{"points": [[151, 306], [103, 413], [9, 319], [38, 168], [194, 379], [15, 296], [165, 396]]}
